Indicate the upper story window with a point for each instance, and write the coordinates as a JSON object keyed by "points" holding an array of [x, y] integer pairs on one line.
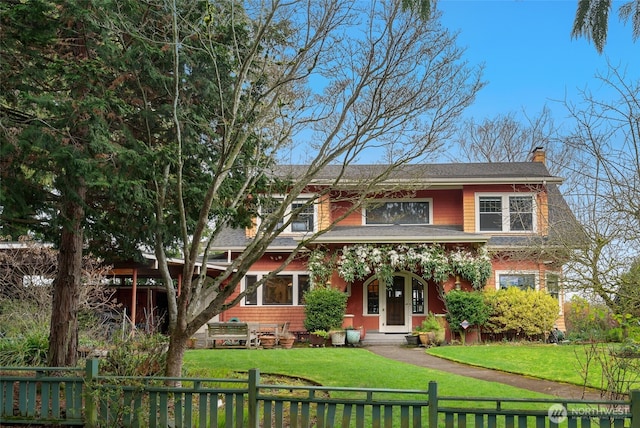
{"points": [[303, 216], [512, 212], [399, 212]]}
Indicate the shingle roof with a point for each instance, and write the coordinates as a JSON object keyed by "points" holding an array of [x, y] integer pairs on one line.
{"points": [[498, 172]]}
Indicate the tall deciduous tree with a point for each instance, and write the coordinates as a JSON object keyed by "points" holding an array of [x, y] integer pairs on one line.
{"points": [[606, 198], [505, 138], [332, 82]]}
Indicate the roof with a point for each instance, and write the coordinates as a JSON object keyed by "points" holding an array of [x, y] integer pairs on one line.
{"points": [[434, 174], [449, 174]]}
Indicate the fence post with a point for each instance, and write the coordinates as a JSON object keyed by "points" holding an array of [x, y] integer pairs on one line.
{"points": [[252, 398], [635, 408], [433, 404], [90, 405]]}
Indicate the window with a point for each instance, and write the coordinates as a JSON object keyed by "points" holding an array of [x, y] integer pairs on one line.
{"points": [[398, 212], [303, 220], [284, 290], [303, 286], [522, 280], [506, 213], [302, 212], [553, 285], [373, 297], [417, 296]]}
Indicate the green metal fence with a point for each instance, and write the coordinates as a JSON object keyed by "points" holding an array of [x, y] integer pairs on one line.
{"points": [[74, 398]]}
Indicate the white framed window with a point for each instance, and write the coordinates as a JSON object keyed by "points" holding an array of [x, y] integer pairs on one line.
{"points": [[303, 213], [553, 286], [285, 289], [525, 280], [398, 211], [506, 212]]}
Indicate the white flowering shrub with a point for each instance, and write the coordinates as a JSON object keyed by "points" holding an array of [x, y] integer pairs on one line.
{"points": [[357, 262]]}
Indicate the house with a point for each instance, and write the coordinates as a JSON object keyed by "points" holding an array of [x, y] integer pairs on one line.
{"points": [[481, 214]]}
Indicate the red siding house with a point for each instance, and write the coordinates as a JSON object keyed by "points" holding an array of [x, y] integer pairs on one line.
{"points": [[480, 214]]}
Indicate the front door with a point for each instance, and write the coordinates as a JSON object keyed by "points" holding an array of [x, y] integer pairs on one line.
{"points": [[395, 306]]}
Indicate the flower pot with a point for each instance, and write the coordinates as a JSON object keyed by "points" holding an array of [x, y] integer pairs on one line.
{"points": [[267, 341], [412, 339], [338, 338], [287, 342], [427, 338], [316, 340], [353, 337]]}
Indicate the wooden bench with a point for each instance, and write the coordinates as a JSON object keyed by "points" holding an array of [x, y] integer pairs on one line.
{"points": [[230, 332]]}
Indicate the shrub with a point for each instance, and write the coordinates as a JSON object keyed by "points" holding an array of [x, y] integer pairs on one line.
{"points": [[324, 308], [587, 321], [465, 306], [524, 313], [140, 355], [29, 349]]}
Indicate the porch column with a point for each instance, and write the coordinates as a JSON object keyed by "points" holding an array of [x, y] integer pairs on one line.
{"points": [[134, 300]]}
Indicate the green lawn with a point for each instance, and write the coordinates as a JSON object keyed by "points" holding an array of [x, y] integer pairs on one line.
{"points": [[559, 363], [352, 367]]}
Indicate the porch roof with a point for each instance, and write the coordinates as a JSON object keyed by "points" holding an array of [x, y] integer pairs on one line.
{"points": [[399, 234]]}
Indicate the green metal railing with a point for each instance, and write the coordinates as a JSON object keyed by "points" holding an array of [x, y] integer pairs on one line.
{"points": [[36, 396]]}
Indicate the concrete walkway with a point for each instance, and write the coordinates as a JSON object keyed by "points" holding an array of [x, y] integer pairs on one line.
{"points": [[419, 357]]}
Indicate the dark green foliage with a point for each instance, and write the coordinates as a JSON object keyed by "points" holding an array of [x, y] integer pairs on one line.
{"points": [[324, 308], [27, 350], [465, 306]]}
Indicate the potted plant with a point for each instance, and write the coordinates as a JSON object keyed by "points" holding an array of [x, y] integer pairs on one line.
{"points": [[338, 336], [324, 309], [353, 335], [318, 338], [287, 340], [412, 339], [427, 330], [268, 341]]}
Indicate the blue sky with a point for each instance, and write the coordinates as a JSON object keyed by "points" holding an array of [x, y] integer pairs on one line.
{"points": [[530, 58]]}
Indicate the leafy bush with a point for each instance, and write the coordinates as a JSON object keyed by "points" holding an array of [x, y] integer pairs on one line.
{"points": [[523, 313], [29, 349], [615, 335], [324, 308], [587, 321], [465, 306], [430, 323], [141, 355]]}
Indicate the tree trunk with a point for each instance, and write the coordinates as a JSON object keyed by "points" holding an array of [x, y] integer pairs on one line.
{"points": [[63, 335], [175, 354]]}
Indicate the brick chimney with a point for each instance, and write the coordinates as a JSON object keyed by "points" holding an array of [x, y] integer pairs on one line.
{"points": [[538, 155]]}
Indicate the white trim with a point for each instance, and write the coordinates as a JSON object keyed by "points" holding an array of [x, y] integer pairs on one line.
{"points": [[382, 302], [304, 198], [385, 200], [506, 213], [295, 298], [518, 272], [560, 288]]}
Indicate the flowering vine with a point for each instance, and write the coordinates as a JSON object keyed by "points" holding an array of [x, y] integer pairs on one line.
{"points": [[357, 262]]}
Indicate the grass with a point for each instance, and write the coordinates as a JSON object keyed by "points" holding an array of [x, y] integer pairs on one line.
{"points": [[351, 367], [558, 363]]}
